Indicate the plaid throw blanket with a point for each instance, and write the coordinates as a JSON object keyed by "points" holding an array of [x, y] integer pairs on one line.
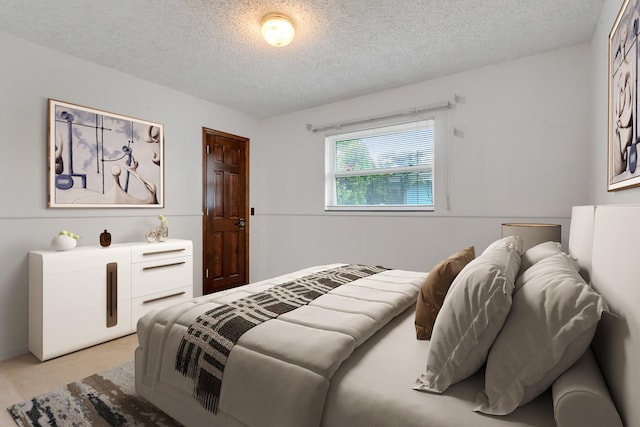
{"points": [[204, 348]]}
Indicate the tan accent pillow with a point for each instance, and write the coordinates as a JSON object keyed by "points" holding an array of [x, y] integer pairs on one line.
{"points": [[434, 289]]}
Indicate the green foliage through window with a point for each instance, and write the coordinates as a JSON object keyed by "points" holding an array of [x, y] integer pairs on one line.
{"points": [[385, 167]]}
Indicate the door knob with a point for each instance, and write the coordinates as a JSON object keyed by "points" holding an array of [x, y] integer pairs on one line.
{"points": [[242, 223]]}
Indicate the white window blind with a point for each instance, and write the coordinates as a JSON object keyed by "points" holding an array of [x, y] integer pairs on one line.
{"points": [[385, 168]]}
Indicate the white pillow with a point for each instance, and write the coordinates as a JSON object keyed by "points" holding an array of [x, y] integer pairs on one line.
{"points": [[514, 241], [472, 313], [505, 253], [552, 321], [559, 260], [538, 253]]}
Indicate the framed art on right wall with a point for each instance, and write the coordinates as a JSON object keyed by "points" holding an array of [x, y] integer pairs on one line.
{"points": [[623, 171]]}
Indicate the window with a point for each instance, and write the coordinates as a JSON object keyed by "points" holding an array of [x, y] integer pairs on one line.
{"points": [[386, 168]]}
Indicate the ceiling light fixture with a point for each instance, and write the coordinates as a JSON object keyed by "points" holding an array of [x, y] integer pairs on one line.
{"points": [[277, 29]]}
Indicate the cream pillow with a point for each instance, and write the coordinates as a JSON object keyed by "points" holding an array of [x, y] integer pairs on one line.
{"points": [[552, 321], [434, 289], [538, 253], [473, 312], [514, 241], [560, 258], [506, 254]]}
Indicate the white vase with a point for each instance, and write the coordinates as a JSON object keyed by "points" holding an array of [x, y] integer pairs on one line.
{"points": [[63, 243]]}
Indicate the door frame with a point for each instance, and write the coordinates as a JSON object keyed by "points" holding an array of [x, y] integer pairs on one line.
{"points": [[208, 131]]}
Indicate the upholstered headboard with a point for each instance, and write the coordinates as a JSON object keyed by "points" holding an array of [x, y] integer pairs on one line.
{"points": [[606, 242]]}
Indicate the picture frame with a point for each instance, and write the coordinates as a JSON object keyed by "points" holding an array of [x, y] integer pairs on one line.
{"points": [[623, 168], [98, 159]]}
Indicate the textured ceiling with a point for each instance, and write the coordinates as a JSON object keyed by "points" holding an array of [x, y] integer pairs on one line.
{"points": [[212, 49]]}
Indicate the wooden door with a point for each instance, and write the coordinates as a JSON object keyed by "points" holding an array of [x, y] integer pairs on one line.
{"points": [[226, 224]]}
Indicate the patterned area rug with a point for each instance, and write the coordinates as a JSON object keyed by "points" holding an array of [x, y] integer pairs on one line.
{"points": [[104, 399]]}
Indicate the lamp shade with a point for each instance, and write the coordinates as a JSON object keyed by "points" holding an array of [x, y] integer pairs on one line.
{"points": [[533, 234]]}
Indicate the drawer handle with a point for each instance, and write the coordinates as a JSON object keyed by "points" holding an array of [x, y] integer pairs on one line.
{"points": [[163, 265], [164, 297], [112, 294], [168, 251]]}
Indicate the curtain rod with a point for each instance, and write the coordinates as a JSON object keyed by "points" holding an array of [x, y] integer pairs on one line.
{"points": [[371, 119]]}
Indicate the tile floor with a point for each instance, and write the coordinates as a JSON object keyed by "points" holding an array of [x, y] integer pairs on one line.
{"points": [[25, 376]]}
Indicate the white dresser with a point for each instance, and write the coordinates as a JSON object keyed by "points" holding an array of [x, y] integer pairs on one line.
{"points": [[91, 294]]}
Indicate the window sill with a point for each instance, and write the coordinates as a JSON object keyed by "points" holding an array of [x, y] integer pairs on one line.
{"points": [[383, 209]]}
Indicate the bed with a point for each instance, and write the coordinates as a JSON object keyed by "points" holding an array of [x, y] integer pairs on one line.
{"points": [[299, 369]]}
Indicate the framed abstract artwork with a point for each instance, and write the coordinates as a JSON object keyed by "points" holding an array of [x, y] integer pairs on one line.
{"points": [[623, 169], [103, 160]]}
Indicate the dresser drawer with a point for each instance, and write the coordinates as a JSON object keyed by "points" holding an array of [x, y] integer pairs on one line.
{"points": [[148, 278], [143, 305], [161, 250]]}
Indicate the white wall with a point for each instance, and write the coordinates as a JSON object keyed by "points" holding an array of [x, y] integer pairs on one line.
{"points": [[600, 111], [522, 153], [31, 74]]}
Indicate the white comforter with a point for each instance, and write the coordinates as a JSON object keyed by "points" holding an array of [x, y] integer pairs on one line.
{"points": [[279, 372]]}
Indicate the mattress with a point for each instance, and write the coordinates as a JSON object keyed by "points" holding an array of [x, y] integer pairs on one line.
{"points": [[373, 386]]}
